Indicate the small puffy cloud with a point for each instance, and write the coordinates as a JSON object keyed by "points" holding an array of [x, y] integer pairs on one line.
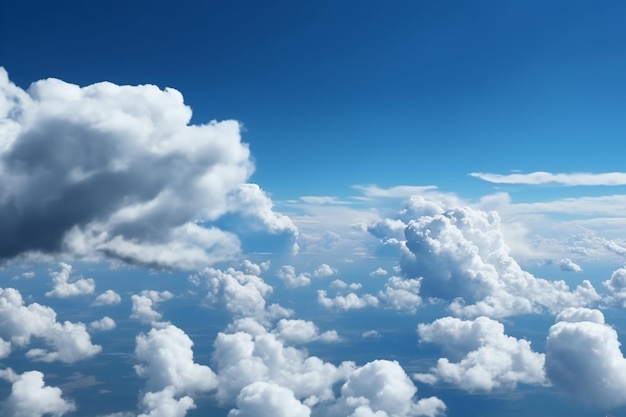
{"points": [[488, 359], [566, 264], [324, 270], [287, 274], [302, 331], [584, 359], [25, 275], [63, 288], [31, 397], [460, 256], [104, 324], [379, 272], [382, 389], [109, 297], [166, 360], [165, 403], [242, 294], [267, 399], [68, 342], [617, 286], [350, 301], [370, 334], [401, 294], [342, 285], [144, 302]]}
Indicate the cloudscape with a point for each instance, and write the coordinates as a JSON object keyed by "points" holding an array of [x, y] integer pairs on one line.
{"points": [[312, 209]]}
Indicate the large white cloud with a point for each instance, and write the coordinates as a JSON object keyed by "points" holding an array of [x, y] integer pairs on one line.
{"points": [[68, 342], [263, 399], [484, 358], [119, 171], [584, 359], [31, 397], [461, 256]]}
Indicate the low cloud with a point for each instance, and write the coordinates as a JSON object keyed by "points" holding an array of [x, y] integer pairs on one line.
{"points": [[64, 288]]}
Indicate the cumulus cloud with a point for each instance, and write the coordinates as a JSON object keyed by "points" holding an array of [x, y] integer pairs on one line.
{"points": [[263, 399], [583, 358], [484, 357], [381, 388], [302, 331], [104, 324], [109, 297], [401, 294], [350, 301], [288, 275], [617, 286], [68, 342], [338, 284], [119, 171], [31, 397], [63, 288], [461, 256], [569, 179], [566, 264], [380, 272], [144, 302]]}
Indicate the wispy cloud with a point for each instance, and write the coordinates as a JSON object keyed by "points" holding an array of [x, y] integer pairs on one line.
{"points": [[541, 177]]}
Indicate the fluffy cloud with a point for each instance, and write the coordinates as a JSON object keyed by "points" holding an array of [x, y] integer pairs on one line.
{"points": [[461, 256], [119, 171], [617, 286], [350, 301], [566, 264], [583, 358], [19, 323], [487, 358], [287, 274], [63, 288], [382, 389], [338, 284], [380, 272], [143, 304], [30, 397], [401, 294], [263, 399], [102, 325], [302, 331], [109, 297]]}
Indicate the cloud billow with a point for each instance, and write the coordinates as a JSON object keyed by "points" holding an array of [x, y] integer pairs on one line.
{"points": [[119, 171]]}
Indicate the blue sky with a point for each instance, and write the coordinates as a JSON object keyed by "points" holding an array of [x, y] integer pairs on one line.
{"points": [[312, 209]]}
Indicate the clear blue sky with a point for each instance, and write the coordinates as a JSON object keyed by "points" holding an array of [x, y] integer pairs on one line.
{"points": [[340, 93]]}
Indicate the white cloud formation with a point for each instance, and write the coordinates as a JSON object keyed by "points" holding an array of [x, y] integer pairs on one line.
{"points": [[25, 275], [267, 399], [323, 271], [63, 288], [569, 179], [566, 264], [287, 274], [583, 358], [380, 272], [338, 284], [31, 397], [486, 358], [617, 287], [69, 342], [461, 256], [104, 324], [119, 171], [292, 331], [381, 388], [350, 301], [401, 294], [109, 297], [144, 302]]}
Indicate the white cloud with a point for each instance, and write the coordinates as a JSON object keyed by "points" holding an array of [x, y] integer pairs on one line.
{"points": [[323, 271], [165, 404], [401, 294], [398, 191], [382, 389], [617, 286], [25, 275], [166, 358], [263, 399], [287, 274], [19, 323], [566, 264], [31, 397], [486, 358], [461, 256], [338, 284], [119, 171], [349, 301], [104, 324], [144, 302], [583, 358], [380, 272], [63, 288], [302, 331], [109, 297], [370, 334], [569, 179]]}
